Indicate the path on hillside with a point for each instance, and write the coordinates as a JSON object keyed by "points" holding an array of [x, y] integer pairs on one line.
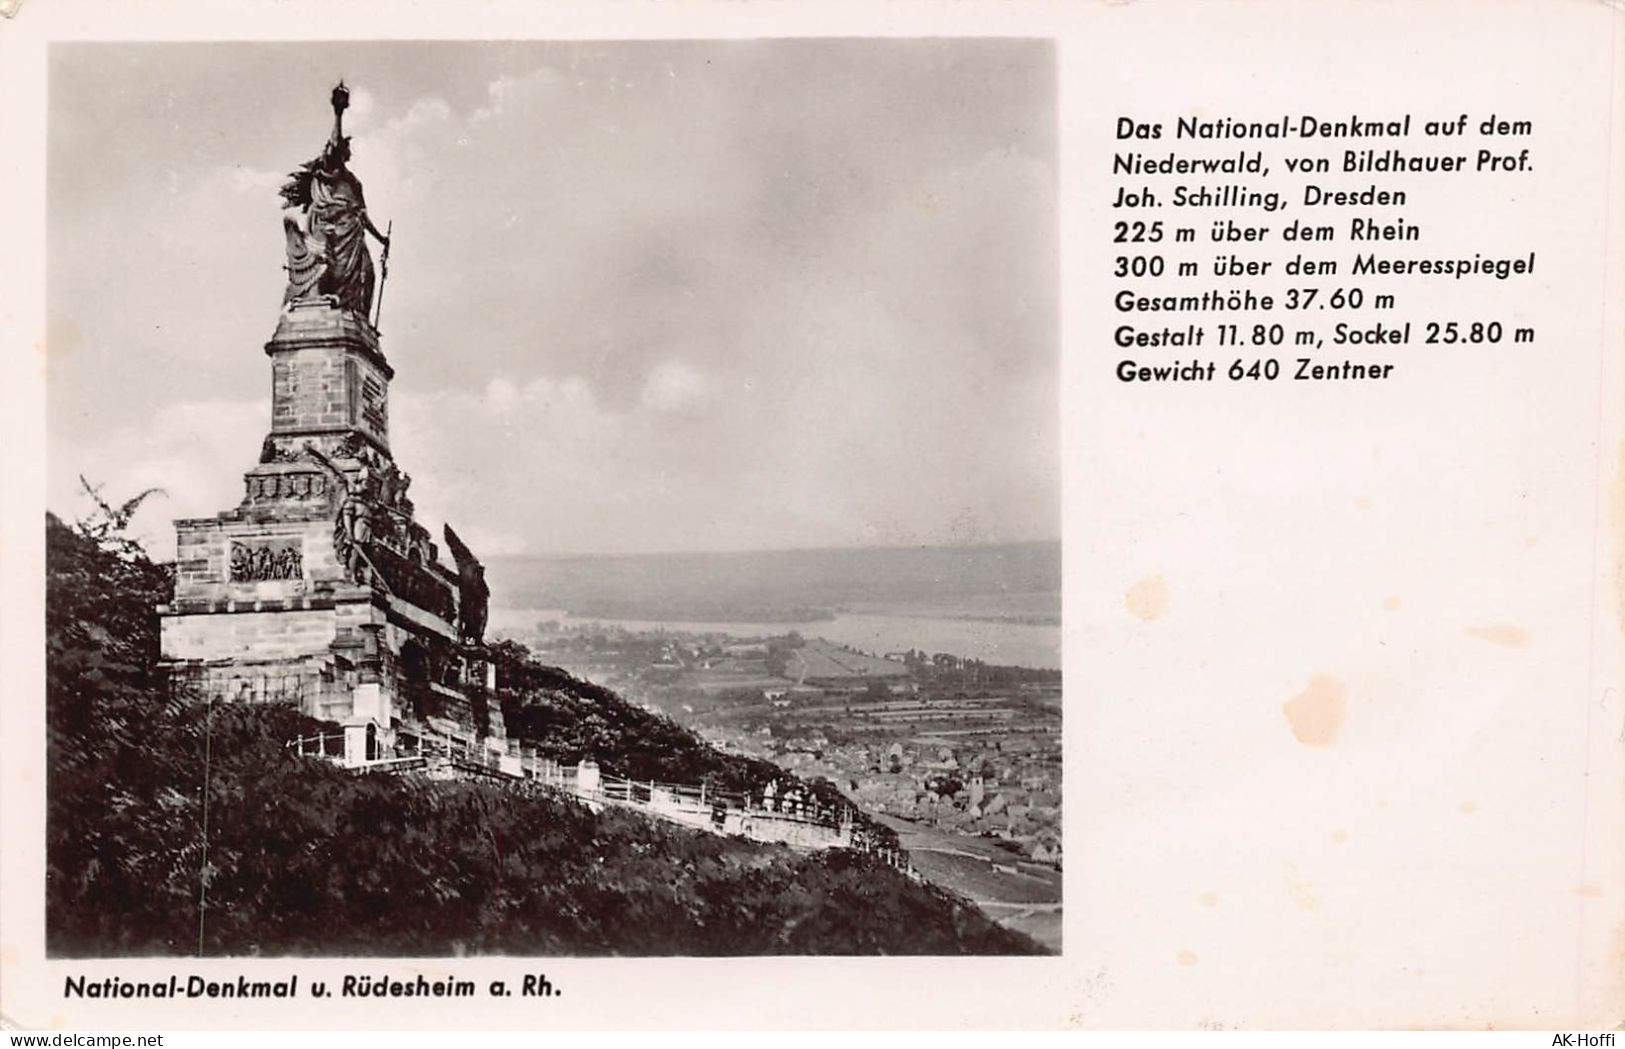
{"points": [[1028, 900]]}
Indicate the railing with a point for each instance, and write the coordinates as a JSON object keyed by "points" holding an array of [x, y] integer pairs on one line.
{"points": [[318, 746], [793, 817]]}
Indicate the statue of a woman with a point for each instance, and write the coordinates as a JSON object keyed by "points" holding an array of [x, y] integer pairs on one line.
{"points": [[326, 224]]}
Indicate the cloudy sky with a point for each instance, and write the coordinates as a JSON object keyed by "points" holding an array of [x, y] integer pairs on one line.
{"points": [[643, 296]]}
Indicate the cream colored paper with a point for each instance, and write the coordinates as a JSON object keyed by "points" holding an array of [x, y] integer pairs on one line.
{"points": [[1345, 721]]}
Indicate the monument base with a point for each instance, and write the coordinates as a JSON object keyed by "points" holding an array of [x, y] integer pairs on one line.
{"points": [[320, 589]]}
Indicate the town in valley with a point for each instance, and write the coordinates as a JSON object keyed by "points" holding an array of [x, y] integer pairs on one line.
{"points": [[961, 757]]}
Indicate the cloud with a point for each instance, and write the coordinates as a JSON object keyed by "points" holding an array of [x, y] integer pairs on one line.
{"points": [[195, 453], [501, 396], [363, 103], [503, 93], [641, 295], [675, 387], [248, 180]]}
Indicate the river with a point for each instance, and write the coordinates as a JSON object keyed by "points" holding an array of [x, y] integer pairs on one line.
{"points": [[998, 642]]}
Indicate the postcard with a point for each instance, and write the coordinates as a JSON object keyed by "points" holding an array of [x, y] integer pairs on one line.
{"points": [[820, 516]]}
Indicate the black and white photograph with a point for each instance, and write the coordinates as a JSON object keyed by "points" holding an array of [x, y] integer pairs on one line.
{"points": [[553, 498], [810, 516]]}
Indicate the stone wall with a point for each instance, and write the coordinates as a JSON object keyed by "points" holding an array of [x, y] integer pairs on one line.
{"points": [[315, 389], [204, 558], [262, 635], [798, 834], [328, 375], [313, 684]]}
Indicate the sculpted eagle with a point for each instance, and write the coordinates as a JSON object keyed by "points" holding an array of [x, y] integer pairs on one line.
{"points": [[475, 594]]}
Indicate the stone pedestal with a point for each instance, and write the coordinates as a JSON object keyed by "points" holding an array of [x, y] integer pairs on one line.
{"points": [[320, 588], [329, 381]]}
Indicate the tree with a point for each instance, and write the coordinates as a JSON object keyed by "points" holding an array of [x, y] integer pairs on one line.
{"points": [[300, 857]]}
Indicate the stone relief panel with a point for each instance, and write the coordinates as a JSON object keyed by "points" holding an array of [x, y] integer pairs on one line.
{"points": [[258, 560], [374, 406], [311, 485]]}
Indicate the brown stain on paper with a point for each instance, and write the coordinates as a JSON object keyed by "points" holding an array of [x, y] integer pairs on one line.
{"points": [[1616, 514], [1148, 599], [1504, 634], [1316, 714], [1208, 899], [1187, 958], [1301, 891], [1391, 603], [63, 338]]}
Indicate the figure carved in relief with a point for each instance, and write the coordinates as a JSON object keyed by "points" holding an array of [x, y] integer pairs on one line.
{"points": [[386, 487], [343, 524], [326, 225], [351, 534], [258, 564], [360, 536]]}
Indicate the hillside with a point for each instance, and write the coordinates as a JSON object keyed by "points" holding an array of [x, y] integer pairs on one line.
{"points": [[284, 855]]}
